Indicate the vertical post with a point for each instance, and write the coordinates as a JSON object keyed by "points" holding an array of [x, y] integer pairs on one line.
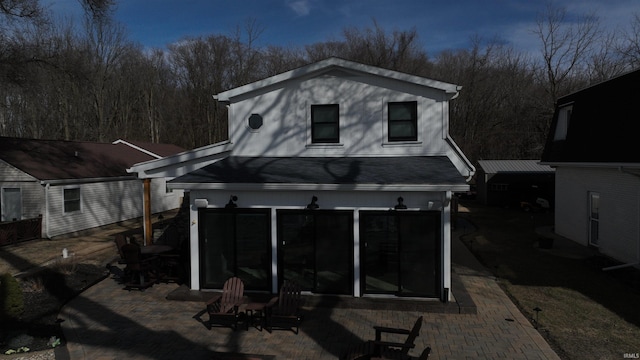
{"points": [[148, 228]]}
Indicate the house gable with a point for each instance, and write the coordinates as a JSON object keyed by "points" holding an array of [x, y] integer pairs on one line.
{"points": [[597, 124]]}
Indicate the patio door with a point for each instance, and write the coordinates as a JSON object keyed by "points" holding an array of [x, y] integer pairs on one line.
{"points": [[315, 249], [11, 204], [401, 253], [235, 242]]}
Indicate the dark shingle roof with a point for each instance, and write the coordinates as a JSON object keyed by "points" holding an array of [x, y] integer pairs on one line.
{"points": [[436, 170], [58, 160], [603, 125]]}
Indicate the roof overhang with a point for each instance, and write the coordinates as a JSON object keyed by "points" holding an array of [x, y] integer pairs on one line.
{"points": [[182, 163], [330, 64], [318, 187], [420, 173]]}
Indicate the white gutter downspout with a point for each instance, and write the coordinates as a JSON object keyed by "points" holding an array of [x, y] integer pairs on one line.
{"points": [[46, 210]]}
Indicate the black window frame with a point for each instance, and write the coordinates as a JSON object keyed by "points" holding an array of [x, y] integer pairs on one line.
{"points": [[314, 121], [234, 213], [413, 121]]}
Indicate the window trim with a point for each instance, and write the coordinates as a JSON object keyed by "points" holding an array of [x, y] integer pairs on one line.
{"points": [[335, 140], [564, 120], [65, 201], [414, 121]]}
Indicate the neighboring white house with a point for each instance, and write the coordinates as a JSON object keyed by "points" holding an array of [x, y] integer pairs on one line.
{"points": [[592, 145], [77, 185], [337, 175]]}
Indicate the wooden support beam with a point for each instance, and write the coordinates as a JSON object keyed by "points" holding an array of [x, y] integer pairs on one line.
{"points": [[148, 227]]}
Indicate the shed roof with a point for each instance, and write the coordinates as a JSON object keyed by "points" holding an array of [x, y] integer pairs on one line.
{"points": [[352, 172], [514, 166], [60, 160]]}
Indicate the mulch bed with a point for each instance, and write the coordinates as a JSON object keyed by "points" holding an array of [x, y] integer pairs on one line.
{"points": [[45, 292]]}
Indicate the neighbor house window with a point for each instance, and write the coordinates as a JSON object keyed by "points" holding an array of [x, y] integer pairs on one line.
{"points": [[71, 199], [325, 124], [564, 118], [403, 121]]}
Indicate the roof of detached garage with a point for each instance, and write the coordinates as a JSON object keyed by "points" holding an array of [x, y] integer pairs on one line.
{"points": [[328, 172]]}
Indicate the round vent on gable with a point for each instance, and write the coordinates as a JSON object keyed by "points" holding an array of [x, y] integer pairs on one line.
{"points": [[255, 121]]}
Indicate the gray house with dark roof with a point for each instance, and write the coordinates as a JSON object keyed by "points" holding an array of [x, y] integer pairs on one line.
{"points": [[336, 175], [77, 185], [592, 145]]}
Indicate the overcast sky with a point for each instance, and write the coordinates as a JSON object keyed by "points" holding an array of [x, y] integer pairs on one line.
{"points": [[440, 24]]}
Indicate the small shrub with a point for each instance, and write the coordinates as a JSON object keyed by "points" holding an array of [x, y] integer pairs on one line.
{"points": [[33, 283], [11, 299], [66, 266]]}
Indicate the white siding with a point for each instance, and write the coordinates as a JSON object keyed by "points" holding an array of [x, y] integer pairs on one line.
{"points": [[31, 191], [161, 200], [619, 209], [102, 203], [363, 120]]}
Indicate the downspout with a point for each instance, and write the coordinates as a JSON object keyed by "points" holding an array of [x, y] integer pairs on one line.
{"points": [[46, 210]]}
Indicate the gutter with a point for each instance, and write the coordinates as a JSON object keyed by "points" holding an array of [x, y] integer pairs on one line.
{"points": [[86, 180]]}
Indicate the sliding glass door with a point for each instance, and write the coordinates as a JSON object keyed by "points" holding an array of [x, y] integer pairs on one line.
{"points": [[401, 253], [316, 249], [235, 242]]}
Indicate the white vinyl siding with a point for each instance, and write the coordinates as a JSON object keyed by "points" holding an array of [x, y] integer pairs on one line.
{"points": [[619, 210]]}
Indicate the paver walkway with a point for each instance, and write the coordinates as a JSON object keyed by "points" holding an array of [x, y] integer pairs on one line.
{"points": [[107, 322]]}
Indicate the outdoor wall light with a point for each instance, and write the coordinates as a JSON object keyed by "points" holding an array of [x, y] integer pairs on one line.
{"points": [[313, 204], [232, 202], [401, 204], [201, 203]]}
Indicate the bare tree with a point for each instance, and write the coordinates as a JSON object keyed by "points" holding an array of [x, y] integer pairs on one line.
{"points": [[629, 47], [566, 47]]}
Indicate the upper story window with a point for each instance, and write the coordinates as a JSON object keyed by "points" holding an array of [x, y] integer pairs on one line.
{"points": [[564, 118], [403, 121], [325, 123], [71, 199]]}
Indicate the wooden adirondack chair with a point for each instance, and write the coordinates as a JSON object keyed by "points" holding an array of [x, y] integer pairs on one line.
{"points": [[223, 309], [382, 349], [283, 311]]}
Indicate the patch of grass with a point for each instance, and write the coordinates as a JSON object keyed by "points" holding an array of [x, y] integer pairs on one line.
{"points": [[586, 312]]}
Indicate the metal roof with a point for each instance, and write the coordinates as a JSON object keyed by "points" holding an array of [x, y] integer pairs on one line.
{"points": [[514, 166]]}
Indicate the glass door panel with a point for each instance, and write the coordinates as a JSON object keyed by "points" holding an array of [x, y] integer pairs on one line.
{"points": [[315, 249], [297, 249], [419, 255], [235, 243], [217, 252], [401, 253], [252, 250], [380, 253], [333, 234]]}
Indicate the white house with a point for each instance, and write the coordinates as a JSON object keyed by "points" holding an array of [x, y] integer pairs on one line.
{"points": [[337, 175], [592, 145], [78, 185]]}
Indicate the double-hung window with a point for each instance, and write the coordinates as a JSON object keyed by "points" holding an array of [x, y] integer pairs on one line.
{"points": [[403, 121], [325, 123], [71, 199]]}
